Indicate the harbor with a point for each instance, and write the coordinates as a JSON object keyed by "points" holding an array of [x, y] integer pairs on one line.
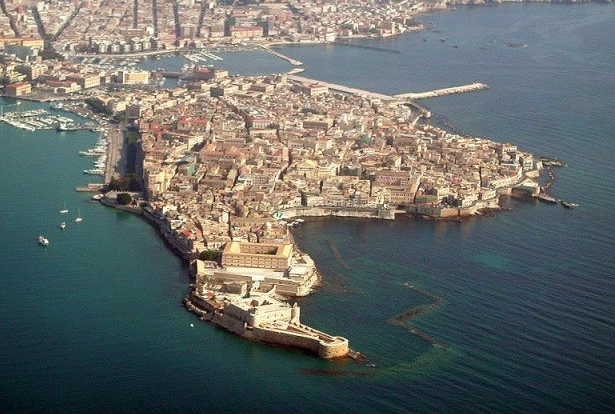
{"points": [[38, 119]]}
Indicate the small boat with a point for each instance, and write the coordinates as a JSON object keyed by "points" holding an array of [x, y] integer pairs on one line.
{"points": [[63, 225], [64, 210], [78, 219], [569, 204], [43, 241], [97, 197]]}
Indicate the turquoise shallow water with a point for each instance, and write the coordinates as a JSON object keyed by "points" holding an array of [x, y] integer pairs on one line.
{"points": [[94, 322]]}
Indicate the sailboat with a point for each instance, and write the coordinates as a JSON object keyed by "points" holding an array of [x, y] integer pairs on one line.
{"points": [[63, 225], [64, 210], [78, 218]]}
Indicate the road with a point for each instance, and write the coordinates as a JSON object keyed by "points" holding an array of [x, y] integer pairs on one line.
{"points": [[115, 152]]}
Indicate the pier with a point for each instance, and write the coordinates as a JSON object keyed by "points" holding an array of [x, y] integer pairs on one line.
{"points": [[443, 92], [344, 89]]}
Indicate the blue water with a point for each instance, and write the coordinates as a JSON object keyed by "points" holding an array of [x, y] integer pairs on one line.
{"points": [[94, 323]]}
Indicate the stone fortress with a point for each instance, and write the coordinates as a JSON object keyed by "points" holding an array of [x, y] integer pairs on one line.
{"points": [[246, 296]]}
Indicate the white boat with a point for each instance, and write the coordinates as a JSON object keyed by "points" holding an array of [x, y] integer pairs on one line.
{"points": [[43, 241], [63, 225], [64, 210], [78, 219], [97, 197]]}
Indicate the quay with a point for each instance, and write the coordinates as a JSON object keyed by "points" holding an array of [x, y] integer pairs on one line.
{"points": [[477, 86], [90, 188], [342, 88], [116, 140]]}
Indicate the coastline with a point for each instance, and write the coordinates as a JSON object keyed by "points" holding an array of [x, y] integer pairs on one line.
{"points": [[313, 212]]}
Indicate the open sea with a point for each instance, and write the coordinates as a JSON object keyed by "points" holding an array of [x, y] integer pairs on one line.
{"points": [[507, 314]]}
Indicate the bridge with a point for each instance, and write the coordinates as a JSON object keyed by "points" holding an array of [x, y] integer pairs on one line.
{"points": [[290, 60]]}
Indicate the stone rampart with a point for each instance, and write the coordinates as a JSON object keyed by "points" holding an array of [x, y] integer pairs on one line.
{"points": [[384, 214]]}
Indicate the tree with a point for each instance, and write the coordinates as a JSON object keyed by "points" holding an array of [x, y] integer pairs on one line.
{"points": [[208, 255], [124, 199]]}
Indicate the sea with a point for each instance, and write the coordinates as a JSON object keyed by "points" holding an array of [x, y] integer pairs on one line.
{"points": [[510, 313]]}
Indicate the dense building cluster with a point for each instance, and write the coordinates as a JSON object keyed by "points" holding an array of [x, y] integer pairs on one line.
{"points": [[114, 26], [240, 149]]}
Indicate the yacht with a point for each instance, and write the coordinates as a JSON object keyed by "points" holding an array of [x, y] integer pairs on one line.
{"points": [[43, 241], [64, 210], [78, 218], [63, 225]]}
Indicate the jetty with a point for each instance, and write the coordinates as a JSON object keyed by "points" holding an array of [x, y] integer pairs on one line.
{"points": [[477, 86]]}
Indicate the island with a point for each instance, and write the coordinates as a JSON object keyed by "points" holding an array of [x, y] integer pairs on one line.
{"points": [[225, 166]]}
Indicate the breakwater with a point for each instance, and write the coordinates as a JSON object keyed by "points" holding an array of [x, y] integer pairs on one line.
{"points": [[477, 86], [404, 318], [361, 46], [337, 254]]}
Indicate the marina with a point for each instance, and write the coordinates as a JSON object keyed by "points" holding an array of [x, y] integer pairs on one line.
{"points": [[100, 152], [202, 56], [38, 119]]}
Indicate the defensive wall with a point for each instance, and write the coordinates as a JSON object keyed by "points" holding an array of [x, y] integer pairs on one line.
{"points": [[384, 214]]}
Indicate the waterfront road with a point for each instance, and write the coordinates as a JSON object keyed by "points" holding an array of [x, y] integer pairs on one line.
{"points": [[115, 152]]}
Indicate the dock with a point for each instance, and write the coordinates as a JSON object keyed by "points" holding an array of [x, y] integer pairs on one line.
{"points": [[344, 89], [477, 86]]}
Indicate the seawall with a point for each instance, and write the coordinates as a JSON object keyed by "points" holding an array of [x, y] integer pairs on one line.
{"points": [[373, 213]]}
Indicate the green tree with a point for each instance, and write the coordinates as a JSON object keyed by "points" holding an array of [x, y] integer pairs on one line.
{"points": [[208, 255], [124, 199]]}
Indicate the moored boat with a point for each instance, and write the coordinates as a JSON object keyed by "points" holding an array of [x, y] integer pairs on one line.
{"points": [[43, 241]]}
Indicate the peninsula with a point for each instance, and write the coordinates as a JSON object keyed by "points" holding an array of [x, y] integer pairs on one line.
{"points": [[227, 164]]}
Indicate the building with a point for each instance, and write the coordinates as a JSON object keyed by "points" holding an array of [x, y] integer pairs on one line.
{"points": [[18, 89], [205, 73], [22, 41], [133, 77], [257, 255], [239, 32], [311, 89]]}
